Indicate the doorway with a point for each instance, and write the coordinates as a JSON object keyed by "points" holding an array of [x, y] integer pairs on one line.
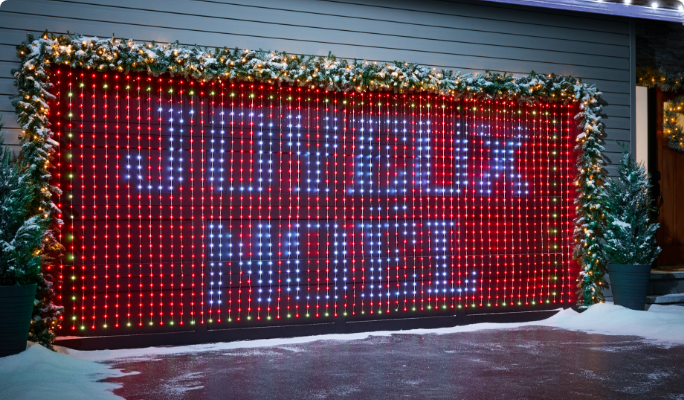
{"points": [[667, 169]]}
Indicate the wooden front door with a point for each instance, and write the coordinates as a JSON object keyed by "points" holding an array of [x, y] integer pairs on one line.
{"points": [[670, 164]]}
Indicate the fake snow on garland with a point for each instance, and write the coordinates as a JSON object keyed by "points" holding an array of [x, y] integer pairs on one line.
{"points": [[330, 73]]}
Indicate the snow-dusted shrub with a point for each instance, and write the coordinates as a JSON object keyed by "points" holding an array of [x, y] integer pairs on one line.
{"points": [[629, 231], [20, 233]]}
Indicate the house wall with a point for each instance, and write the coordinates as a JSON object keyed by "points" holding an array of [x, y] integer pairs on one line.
{"points": [[660, 45], [466, 35]]}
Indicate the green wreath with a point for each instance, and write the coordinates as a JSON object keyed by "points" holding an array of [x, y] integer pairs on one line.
{"points": [[673, 131]]}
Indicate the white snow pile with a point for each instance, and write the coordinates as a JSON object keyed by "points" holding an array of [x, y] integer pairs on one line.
{"points": [[661, 324], [39, 373]]}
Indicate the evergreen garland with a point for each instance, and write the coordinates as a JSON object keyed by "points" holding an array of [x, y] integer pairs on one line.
{"points": [[667, 82], [37, 150], [672, 130], [203, 64], [630, 232], [590, 212]]}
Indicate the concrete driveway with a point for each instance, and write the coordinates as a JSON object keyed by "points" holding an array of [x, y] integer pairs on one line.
{"points": [[523, 363]]}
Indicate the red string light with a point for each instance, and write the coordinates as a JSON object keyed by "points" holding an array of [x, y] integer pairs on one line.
{"points": [[228, 202]]}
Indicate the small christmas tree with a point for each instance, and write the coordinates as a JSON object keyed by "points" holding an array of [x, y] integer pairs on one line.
{"points": [[629, 230], [20, 233]]}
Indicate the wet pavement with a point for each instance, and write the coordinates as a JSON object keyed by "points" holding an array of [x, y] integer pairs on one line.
{"points": [[523, 363]]}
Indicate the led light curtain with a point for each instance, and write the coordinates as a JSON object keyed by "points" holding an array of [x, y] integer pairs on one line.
{"points": [[241, 203]]}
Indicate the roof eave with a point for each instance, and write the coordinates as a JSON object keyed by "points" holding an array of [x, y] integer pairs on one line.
{"points": [[604, 8]]}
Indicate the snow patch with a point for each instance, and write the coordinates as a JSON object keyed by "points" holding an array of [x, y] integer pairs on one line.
{"points": [[590, 374], [251, 353], [622, 224], [182, 384], [39, 373], [661, 324], [292, 349]]}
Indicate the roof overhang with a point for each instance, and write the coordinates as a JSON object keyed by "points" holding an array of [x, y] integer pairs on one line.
{"points": [[606, 8]]}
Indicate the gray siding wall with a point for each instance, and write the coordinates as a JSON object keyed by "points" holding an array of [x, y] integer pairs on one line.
{"points": [[465, 35]]}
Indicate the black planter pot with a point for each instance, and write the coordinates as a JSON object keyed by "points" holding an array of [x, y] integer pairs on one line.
{"points": [[16, 307], [629, 284]]}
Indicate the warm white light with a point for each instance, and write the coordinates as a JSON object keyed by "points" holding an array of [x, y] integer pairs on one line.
{"points": [[628, 1], [654, 4]]}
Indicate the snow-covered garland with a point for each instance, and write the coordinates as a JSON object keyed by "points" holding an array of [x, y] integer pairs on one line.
{"points": [[673, 131], [203, 64]]}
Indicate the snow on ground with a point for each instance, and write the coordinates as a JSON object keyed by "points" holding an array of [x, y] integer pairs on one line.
{"points": [[72, 374], [661, 324], [39, 373]]}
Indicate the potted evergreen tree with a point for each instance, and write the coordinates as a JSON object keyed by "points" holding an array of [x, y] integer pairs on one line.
{"points": [[630, 233], [20, 255]]}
